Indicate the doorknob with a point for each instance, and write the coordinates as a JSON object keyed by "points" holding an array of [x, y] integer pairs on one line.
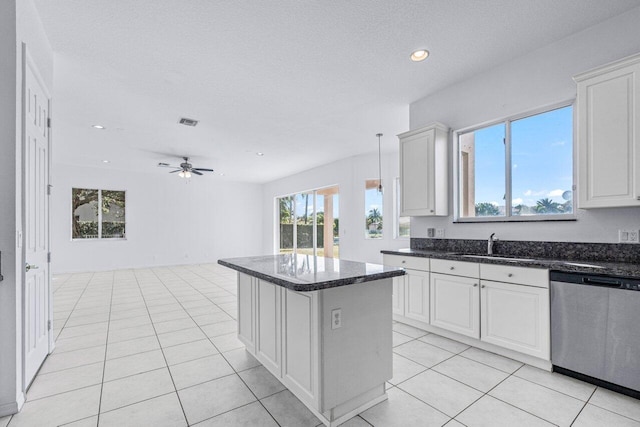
{"points": [[28, 267]]}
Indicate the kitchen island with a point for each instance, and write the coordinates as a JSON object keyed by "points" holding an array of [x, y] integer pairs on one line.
{"points": [[322, 326]]}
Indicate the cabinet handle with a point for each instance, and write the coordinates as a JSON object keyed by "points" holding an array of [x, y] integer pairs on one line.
{"points": [[404, 261], [475, 284], [510, 274], [452, 268], [483, 286]]}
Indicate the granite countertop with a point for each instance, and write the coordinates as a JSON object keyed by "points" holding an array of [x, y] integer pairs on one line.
{"points": [[609, 268], [305, 273]]}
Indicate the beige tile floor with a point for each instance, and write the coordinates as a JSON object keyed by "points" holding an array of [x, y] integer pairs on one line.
{"points": [[157, 347]]}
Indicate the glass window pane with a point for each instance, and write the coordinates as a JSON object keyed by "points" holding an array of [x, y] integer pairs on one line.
{"points": [[304, 223], [482, 172], [113, 214], [85, 213], [373, 209], [286, 214], [327, 221], [403, 223], [542, 163]]}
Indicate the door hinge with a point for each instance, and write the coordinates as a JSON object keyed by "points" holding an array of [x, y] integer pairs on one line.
{"points": [[49, 187], [48, 256], [48, 325], [48, 122]]}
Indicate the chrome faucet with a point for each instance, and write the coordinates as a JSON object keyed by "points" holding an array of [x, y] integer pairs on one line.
{"points": [[490, 243]]}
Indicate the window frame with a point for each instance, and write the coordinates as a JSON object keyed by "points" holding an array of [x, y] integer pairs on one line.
{"points": [[366, 234], [508, 217], [99, 238], [396, 211]]}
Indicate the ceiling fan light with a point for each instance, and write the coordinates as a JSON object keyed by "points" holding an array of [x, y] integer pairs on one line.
{"points": [[187, 174], [181, 174]]}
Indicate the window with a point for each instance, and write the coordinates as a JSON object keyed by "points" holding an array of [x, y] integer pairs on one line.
{"points": [[403, 223], [519, 169], [308, 222], [373, 209], [98, 214]]}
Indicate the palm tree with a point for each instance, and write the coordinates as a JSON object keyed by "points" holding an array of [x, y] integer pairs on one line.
{"points": [[547, 205], [286, 210], [486, 209], [375, 217]]}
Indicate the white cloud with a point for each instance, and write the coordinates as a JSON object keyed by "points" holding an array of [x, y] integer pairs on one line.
{"points": [[535, 193], [555, 193], [517, 201], [558, 143], [515, 166], [494, 203]]}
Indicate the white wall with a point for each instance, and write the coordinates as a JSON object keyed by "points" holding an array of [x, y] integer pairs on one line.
{"points": [[170, 220], [541, 78], [350, 175], [19, 23]]}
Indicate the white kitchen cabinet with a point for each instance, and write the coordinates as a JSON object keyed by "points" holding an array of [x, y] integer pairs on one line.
{"points": [[424, 171], [608, 135], [268, 325], [416, 290], [246, 321], [397, 297], [455, 304], [516, 317]]}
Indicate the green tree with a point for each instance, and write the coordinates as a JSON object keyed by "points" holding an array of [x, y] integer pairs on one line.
{"points": [[547, 205], [286, 210], [486, 209], [375, 217]]}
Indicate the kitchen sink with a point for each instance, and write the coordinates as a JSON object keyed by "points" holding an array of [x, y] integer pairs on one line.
{"points": [[501, 258]]}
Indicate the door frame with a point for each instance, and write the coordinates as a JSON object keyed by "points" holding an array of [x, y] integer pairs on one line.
{"points": [[28, 62]]}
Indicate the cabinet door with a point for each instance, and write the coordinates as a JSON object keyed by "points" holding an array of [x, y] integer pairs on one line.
{"points": [[398, 295], [516, 317], [416, 167], [455, 304], [246, 321], [416, 289], [268, 325], [608, 114], [300, 345]]}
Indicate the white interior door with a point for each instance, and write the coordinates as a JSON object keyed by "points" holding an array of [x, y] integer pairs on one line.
{"points": [[37, 291]]}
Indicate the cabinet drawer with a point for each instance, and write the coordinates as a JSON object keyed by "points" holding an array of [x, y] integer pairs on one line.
{"points": [[412, 262], [521, 275], [457, 268]]}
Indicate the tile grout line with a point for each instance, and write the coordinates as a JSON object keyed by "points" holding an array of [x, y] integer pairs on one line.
{"points": [[106, 348], [220, 352]]}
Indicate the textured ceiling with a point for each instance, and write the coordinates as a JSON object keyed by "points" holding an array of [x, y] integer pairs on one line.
{"points": [[306, 82]]}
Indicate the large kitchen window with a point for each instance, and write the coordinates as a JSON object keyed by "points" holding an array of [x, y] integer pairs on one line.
{"points": [[308, 222], [518, 169], [97, 214]]}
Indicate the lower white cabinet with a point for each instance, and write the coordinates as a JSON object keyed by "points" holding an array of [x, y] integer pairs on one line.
{"points": [[455, 304], [268, 324], [246, 311], [416, 295], [397, 296], [516, 317]]}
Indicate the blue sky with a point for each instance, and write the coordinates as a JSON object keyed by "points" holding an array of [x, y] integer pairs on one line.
{"points": [[541, 159], [300, 205]]}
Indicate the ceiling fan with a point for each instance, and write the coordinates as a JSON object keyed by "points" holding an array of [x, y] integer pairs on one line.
{"points": [[185, 169]]}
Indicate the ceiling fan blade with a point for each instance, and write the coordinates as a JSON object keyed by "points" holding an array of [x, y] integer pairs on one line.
{"points": [[196, 172], [203, 169], [177, 170]]}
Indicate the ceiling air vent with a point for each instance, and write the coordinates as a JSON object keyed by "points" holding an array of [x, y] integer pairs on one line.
{"points": [[188, 122]]}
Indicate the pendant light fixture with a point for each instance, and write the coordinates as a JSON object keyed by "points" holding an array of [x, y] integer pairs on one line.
{"points": [[379, 164]]}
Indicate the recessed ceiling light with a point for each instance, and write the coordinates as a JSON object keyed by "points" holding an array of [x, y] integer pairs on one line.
{"points": [[419, 55], [106, 161], [259, 154], [222, 174], [97, 126]]}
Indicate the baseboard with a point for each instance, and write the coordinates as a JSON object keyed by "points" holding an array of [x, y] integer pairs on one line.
{"points": [[12, 407]]}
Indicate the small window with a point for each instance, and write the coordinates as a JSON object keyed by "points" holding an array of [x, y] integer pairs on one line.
{"points": [[403, 223], [98, 214], [518, 169], [373, 209]]}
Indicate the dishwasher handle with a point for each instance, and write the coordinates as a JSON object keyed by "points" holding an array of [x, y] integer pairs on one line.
{"points": [[602, 281]]}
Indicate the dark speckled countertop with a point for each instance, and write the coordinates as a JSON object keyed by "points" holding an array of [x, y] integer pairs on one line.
{"points": [[305, 273], [590, 266]]}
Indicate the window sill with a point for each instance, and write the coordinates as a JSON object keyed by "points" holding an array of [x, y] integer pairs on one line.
{"points": [[549, 218], [103, 239]]}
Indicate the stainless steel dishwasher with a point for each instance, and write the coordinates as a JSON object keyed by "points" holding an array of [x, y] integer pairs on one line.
{"points": [[595, 329]]}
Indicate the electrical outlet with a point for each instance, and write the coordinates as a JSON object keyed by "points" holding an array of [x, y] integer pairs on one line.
{"points": [[628, 236], [336, 318], [431, 232], [440, 233]]}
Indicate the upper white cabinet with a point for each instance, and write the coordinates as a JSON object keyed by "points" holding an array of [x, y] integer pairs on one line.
{"points": [[423, 171], [608, 135]]}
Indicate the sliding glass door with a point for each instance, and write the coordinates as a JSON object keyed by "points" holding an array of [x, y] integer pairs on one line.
{"points": [[308, 222]]}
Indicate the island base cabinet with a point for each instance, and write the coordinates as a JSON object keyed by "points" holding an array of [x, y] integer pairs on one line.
{"points": [[417, 295], [516, 317], [336, 372]]}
